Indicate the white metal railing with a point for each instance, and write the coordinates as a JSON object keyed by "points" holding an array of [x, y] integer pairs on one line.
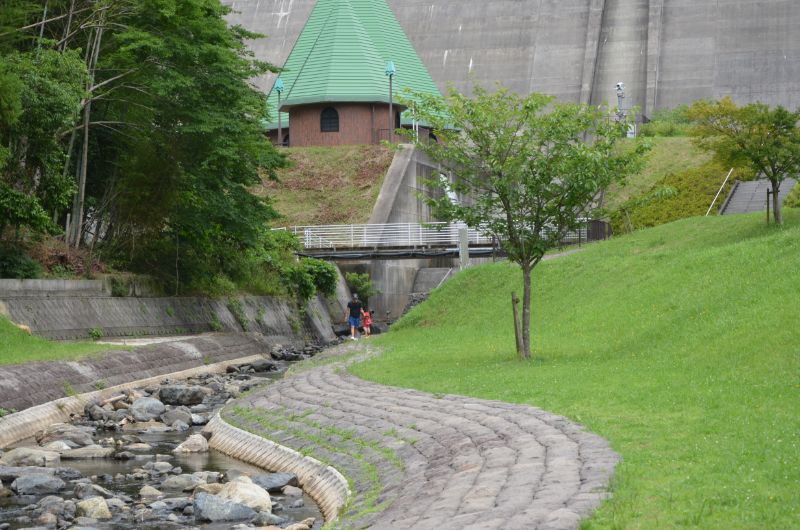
{"points": [[719, 191], [385, 235]]}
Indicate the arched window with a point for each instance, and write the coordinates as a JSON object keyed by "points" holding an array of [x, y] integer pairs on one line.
{"points": [[329, 120]]}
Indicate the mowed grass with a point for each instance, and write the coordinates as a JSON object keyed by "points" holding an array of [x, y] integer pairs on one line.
{"points": [[679, 344], [328, 185], [18, 347]]}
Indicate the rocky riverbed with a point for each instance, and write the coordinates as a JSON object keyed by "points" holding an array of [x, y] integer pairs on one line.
{"points": [[140, 459]]}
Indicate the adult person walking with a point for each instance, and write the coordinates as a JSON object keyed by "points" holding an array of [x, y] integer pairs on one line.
{"points": [[354, 306]]}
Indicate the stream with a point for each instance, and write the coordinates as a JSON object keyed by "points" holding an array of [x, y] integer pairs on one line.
{"points": [[116, 466]]}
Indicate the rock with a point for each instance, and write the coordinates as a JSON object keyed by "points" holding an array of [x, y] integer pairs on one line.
{"points": [[52, 504], [212, 508], [243, 491], [29, 456], [149, 492], [213, 489], [87, 453], [274, 482], [95, 412], [178, 504], [138, 447], [162, 467], [181, 395], [183, 482], [147, 409], [116, 504], [264, 366], [177, 414], [59, 446], [266, 518], [158, 506], [85, 490], [37, 484], [72, 434], [196, 443], [94, 507], [199, 419], [47, 519], [297, 503], [180, 426], [291, 491]]}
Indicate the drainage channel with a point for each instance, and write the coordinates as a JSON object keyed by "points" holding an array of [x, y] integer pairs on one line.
{"points": [[140, 459]]}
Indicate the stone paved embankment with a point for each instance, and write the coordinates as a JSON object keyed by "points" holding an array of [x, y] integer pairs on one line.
{"points": [[423, 461]]}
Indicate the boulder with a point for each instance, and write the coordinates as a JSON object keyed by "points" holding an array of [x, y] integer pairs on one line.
{"points": [[243, 491], [199, 419], [149, 492], [266, 519], [196, 443], [181, 395], [264, 366], [213, 489], [87, 453], [180, 426], [59, 446], [183, 482], [47, 520], [147, 409], [52, 504], [212, 508], [178, 414], [162, 467], [29, 456], [94, 507], [291, 491], [305, 524], [37, 484], [139, 447], [274, 482], [72, 434]]}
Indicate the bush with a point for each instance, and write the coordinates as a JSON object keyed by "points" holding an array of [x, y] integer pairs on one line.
{"points": [[668, 122], [695, 191], [323, 274], [793, 199], [14, 263], [361, 284]]}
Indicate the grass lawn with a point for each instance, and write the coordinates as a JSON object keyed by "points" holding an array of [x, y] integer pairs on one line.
{"points": [[669, 155], [680, 344], [329, 185], [18, 347]]}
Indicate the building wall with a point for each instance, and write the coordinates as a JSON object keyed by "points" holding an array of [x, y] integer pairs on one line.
{"points": [[667, 52], [359, 123]]}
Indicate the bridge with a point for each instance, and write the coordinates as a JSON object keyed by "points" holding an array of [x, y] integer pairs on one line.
{"points": [[411, 240]]}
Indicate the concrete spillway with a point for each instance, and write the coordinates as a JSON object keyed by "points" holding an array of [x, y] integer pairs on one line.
{"points": [[666, 51]]}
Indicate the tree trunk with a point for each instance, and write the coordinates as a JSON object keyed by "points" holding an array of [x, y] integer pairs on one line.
{"points": [[776, 202], [78, 219], [526, 312]]}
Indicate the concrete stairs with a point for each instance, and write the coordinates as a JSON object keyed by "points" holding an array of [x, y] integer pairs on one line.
{"points": [[751, 196]]}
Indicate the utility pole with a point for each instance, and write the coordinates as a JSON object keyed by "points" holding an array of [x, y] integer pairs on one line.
{"points": [[279, 90], [390, 71]]}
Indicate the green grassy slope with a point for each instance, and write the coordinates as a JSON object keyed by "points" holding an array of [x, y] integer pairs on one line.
{"points": [[669, 155], [329, 185], [17, 346], [680, 344]]}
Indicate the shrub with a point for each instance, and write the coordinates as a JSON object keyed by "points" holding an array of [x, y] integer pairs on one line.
{"points": [[362, 284], [237, 310], [793, 199], [14, 263], [668, 122], [95, 333], [323, 274]]}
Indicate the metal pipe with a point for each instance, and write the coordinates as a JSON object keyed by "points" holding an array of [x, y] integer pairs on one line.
{"points": [[719, 191]]}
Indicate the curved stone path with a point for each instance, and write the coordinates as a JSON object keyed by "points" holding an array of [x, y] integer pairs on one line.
{"points": [[422, 461]]}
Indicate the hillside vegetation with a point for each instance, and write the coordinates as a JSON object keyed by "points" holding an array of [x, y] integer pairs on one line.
{"points": [[328, 185], [679, 344], [16, 346]]}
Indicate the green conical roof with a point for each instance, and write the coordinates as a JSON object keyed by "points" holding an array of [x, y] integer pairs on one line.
{"points": [[341, 55]]}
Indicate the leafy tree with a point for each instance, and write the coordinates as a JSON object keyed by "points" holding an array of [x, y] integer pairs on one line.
{"points": [[754, 137], [523, 167]]}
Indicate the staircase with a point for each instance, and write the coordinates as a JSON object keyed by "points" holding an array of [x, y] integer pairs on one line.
{"points": [[751, 196]]}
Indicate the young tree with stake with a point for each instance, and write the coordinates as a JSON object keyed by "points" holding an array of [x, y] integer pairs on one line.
{"points": [[524, 167]]}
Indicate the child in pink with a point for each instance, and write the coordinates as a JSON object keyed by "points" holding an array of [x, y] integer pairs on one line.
{"points": [[366, 321]]}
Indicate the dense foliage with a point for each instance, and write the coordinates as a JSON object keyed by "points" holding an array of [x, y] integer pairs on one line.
{"points": [[136, 119], [526, 166]]}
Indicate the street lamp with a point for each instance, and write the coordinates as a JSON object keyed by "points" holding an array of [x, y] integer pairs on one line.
{"points": [[390, 71], [279, 90]]}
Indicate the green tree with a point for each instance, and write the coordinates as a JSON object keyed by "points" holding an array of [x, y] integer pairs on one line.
{"points": [[754, 137], [523, 168]]}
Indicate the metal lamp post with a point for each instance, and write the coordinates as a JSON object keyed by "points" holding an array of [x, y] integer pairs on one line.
{"points": [[620, 96], [390, 71], [279, 90]]}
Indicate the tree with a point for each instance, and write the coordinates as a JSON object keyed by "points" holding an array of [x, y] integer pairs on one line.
{"points": [[753, 137], [523, 167]]}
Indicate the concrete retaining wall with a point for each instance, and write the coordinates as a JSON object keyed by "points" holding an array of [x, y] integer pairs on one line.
{"points": [[50, 288], [72, 317], [26, 385]]}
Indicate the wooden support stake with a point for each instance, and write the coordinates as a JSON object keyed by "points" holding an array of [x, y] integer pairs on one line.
{"points": [[517, 326]]}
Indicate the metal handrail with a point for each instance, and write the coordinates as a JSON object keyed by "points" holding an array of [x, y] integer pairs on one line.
{"points": [[719, 191]]}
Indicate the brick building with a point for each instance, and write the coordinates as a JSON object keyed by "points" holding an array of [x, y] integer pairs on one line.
{"points": [[335, 85]]}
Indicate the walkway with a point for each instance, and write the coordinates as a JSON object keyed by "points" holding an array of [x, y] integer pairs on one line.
{"points": [[426, 461]]}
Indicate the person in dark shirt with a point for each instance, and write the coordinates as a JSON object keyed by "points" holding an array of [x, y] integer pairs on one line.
{"points": [[354, 306]]}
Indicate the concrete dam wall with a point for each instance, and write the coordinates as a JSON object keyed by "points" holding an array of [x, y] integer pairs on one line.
{"points": [[667, 52]]}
